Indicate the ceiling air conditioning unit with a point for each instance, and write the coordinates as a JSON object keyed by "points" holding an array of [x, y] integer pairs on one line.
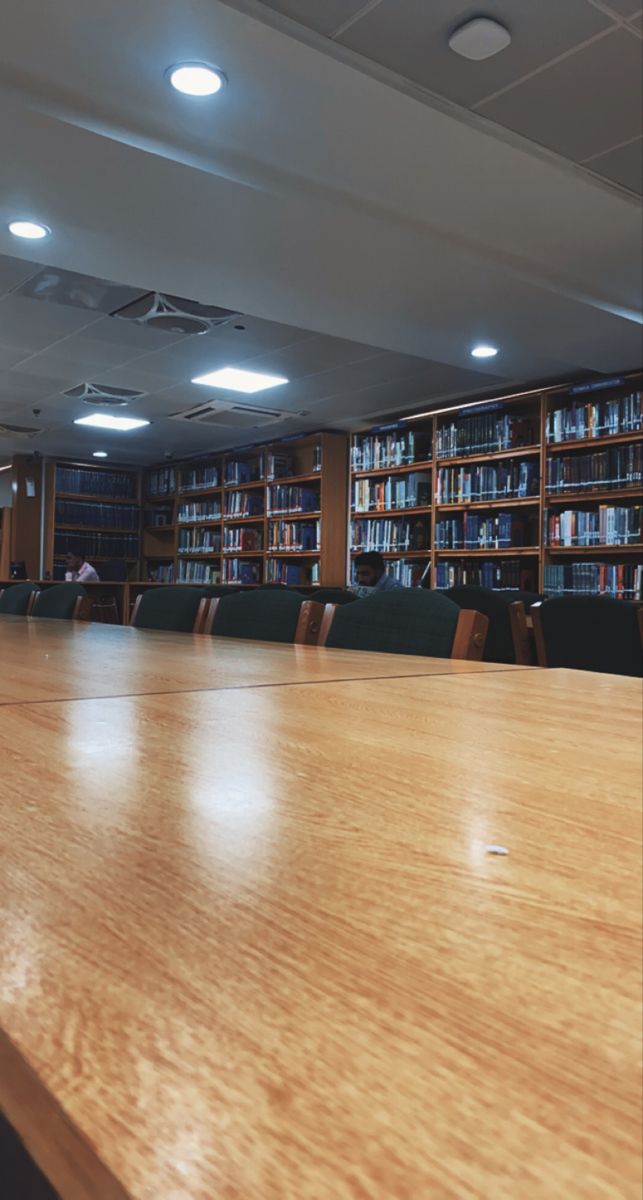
{"points": [[99, 393], [231, 414], [18, 431], [171, 314]]}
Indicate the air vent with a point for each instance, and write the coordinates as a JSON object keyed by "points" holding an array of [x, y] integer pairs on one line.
{"points": [[98, 393], [171, 314], [18, 431], [239, 416]]}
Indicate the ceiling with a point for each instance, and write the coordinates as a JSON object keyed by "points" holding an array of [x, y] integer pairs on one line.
{"points": [[369, 230], [570, 80]]}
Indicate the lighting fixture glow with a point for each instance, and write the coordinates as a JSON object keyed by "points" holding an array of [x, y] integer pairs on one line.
{"points": [[484, 351], [107, 421], [29, 229], [196, 79], [99, 454], [235, 380]]}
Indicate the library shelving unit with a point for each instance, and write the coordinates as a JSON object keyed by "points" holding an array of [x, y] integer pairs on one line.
{"points": [[94, 510], [593, 490], [271, 513], [541, 491]]}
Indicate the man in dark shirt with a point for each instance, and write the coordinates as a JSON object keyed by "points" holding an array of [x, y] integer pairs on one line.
{"points": [[370, 571]]}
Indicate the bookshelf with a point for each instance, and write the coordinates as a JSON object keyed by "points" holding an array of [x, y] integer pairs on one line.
{"points": [[271, 513], [537, 492], [93, 510]]}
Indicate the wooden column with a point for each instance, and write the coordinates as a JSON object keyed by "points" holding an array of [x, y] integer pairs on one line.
{"points": [[26, 485]]}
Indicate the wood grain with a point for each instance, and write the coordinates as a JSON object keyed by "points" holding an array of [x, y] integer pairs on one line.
{"points": [[252, 947], [58, 660]]}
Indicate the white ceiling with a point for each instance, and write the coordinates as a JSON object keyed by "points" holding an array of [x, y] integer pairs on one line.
{"points": [[320, 192]]}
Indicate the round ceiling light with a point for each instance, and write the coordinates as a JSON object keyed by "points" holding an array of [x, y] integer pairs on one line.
{"points": [[484, 351], [29, 229], [196, 79], [99, 454]]}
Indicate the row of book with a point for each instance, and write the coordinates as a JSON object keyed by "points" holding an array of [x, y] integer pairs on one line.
{"points": [[199, 510], [160, 482], [194, 479], [492, 481], [98, 545], [397, 491], [397, 448], [618, 525], [100, 516], [160, 572], [83, 481], [616, 467], [292, 574], [249, 470], [238, 570], [483, 433], [507, 575], [595, 418], [244, 504], [471, 531], [623, 581], [287, 498], [199, 540], [199, 572], [391, 534], [294, 535], [242, 537]]}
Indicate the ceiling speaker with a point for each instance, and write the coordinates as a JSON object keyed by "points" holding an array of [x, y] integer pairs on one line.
{"points": [[171, 314]]}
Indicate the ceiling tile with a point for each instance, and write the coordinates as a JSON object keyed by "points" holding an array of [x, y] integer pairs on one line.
{"points": [[143, 338], [325, 16], [624, 8], [623, 165], [581, 106], [14, 271], [33, 326], [55, 286], [312, 356], [411, 38], [74, 355], [637, 23]]}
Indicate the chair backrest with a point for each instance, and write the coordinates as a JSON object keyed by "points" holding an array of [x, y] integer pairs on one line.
{"points": [[18, 599], [114, 571], [63, 601], [406, 621], [175, 607], [590, 633], [507, 637], [333, 596], [266, 616]]}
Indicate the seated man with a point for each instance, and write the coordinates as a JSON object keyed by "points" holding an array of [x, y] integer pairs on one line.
{"points": [[370, 570], [79, 571]]}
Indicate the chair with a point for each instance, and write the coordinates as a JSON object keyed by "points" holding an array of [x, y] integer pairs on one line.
{"points": [[266, 616], [508, 636], [406, 621], [175, 607], [64, 601], [333, 596], [18, 599], [590, 633]]}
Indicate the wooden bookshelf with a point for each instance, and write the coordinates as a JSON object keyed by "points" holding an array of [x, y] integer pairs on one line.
{"points": [[67, 526], [525, 418]]}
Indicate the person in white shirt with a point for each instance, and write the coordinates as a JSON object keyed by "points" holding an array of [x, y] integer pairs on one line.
{"points": [[78, 570]]}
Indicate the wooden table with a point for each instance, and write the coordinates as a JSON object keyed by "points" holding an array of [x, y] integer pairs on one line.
{"points": [[44, 659], [252, 945]]}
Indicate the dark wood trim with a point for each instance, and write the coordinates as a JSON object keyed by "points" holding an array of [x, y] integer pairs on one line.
{"points": [[470, 635], [309, 623], [201, 615], [326, 624], [520, 633]]}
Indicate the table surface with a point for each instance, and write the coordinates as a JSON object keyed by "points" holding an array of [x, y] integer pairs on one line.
{"points": [[252, 945], [43, 659]]}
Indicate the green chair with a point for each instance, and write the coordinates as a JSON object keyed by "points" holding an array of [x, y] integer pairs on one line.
{"points": [[406, 621], [507, 636], [177, 608], [266, 616], [590, 633], [18, 599], [63, 601]]}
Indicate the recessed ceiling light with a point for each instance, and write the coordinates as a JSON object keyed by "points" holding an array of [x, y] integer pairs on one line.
{"points": [[99, 454], [29, 229], [479, 39], [235, 380], [107, 421], [196, 79], [484, 351]]}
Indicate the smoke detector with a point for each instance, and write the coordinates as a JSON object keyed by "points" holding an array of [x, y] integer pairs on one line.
{"points": [[99, 393], [171, 314], [479, 39]]}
